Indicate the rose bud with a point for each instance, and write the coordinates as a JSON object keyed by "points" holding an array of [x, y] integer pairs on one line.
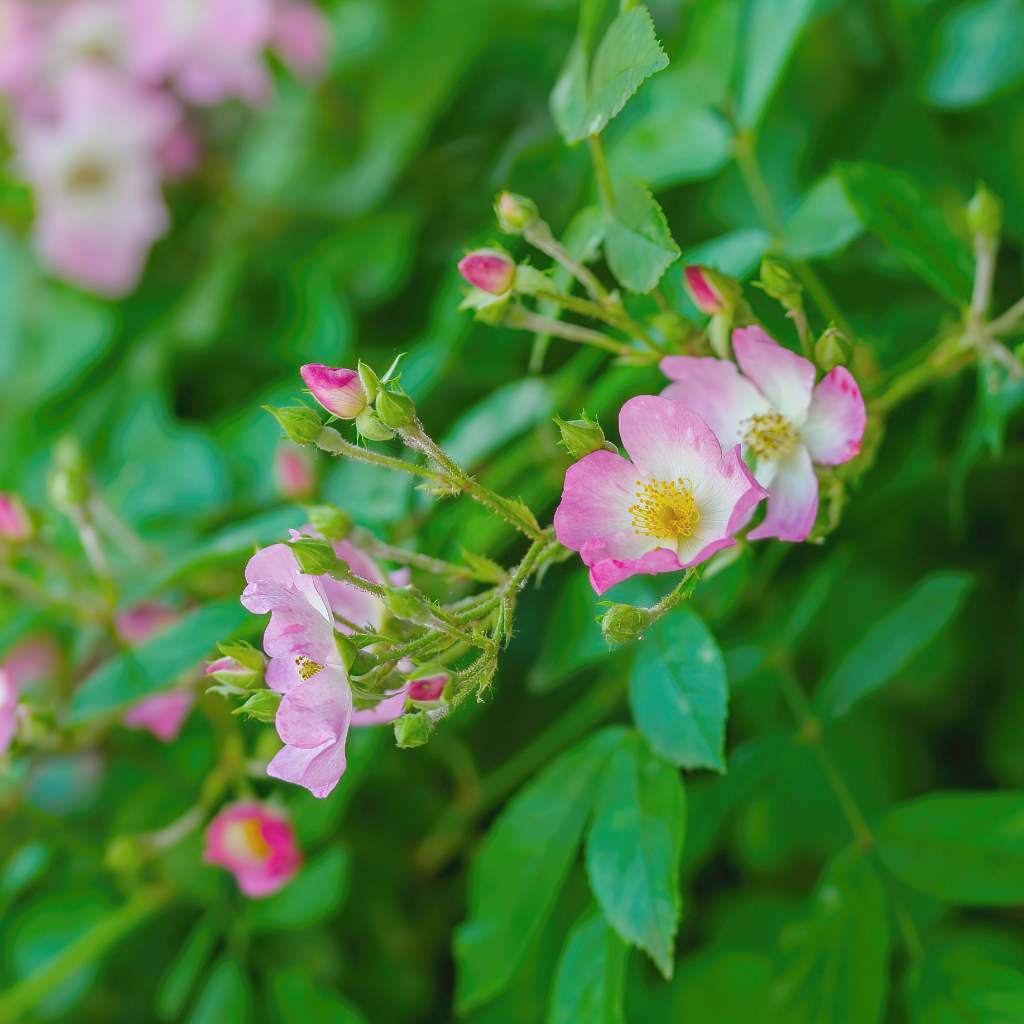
{"points": [[711, 291], [514, 212], [339, 391], [15, 524], [491, 270]]}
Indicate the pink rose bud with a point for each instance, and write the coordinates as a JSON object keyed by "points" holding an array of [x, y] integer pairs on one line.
{"points": [[490, 270], [15, 524], [257, 844], [339, 391], [163, 714], [428, 688], [294, 472], [701, 284]]}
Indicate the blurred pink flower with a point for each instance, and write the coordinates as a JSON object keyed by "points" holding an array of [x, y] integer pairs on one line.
{"points": [[778, 415], [15, 524], [678, 502], [163, 714], [20, 40], [32, 660], [294, 473], [257, 844], [210, 50], [301, 36], [8, 708], [179, 152], [97, 180], [137, 624]]}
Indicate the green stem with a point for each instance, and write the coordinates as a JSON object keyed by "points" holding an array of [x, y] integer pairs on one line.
{"points": [[604, 179], [330, 441], [22, 997], [682, 592], [539, 235], [389, 552], [521, 317]]}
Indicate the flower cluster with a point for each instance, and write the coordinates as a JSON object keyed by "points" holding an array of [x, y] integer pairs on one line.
{"points": [[98, 91]]}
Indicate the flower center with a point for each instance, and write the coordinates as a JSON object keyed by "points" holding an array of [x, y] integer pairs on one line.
{"points": [[769, 435], [665, 508], [245, 839], [307, 667], [88, 175]]}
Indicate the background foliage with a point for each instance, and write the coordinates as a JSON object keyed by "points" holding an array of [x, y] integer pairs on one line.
{"points": [[330, 223]]}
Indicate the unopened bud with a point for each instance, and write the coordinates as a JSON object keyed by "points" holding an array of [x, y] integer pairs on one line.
{"points": [[831, 349], [330, 522], [582, 437], [984, 214], [294, 472], [491, 270], [369, 380], [300, 423], [124, 855], [426, 688], [69, 478], [15, 524], [413, 730], [316, 557], [514, 212], [780, 284], [712, 292], [395, 410], [370, 426], [338, 390], [624, 623], [261, 705], [232, 672]]}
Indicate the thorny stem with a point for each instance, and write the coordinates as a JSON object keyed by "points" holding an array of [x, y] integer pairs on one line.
{"points": [[539, 235], [682, 592], [520, 316], [330, 441], [390, 553]]}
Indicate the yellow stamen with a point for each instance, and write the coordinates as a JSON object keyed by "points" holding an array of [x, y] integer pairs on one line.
{"points": [[258, 846], [307, 667], [664, 509], [769, 435]]}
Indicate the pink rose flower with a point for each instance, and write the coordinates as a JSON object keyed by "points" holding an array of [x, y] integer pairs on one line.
{"points": [[15, 524], [679, 501], [779, 416], [8, 708], [257, 844], [163, 714], [302, 37], [96, 177]]}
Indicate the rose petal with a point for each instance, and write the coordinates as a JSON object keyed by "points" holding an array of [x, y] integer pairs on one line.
{"points": [[792, 500], [835, 421], [783, 377]]}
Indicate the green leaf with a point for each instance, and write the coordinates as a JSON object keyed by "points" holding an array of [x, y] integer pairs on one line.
{"points": [[296, 999], [889, 645], [958, 984], [588, 94], [959, 847], [638, 244], [896, 209], [771, 29], [591, 974], [158, 662], [520, 868], [225, 996], [978, 53], [177, 984], [634, 848], [823, 223], [312, 896], [836, 963], [678, 691]]}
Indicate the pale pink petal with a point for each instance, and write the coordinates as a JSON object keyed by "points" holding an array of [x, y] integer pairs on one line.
{"points": [[598, 491], [296, 628], [387, 710], [609, 571], [835, 421], [283, 674], [318, 770], [317, 712], [715, 391], [783, 377], [792, 500], [667, 441]]}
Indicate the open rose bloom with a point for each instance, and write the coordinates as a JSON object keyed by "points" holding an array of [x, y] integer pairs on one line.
{"points": [[257, 844], [305, 663], [679, 501], [778, 415]]}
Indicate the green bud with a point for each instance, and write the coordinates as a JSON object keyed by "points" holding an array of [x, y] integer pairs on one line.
{"points": [[624, 623], [831, 349], [529, 281], [370, 381], [261, 705], [780, 284], [514, 212], [69, 476], [583, 436], [316, 557], [124, 855], [720, 335], [413, 730], [395, 410], [299, 423], [369, 425], [984, 214], [329, 521]]}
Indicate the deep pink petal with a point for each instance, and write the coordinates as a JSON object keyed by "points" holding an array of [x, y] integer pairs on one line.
{"points": [[598, 492], [607, 573], [792, 500], [783, 377], [667, 441], [715, 391], [835, 421]]}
